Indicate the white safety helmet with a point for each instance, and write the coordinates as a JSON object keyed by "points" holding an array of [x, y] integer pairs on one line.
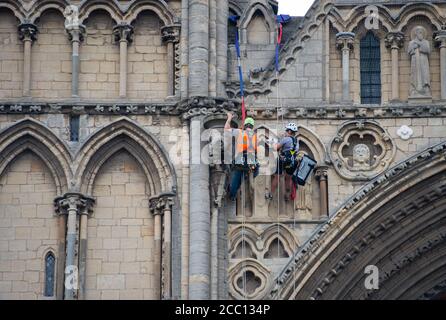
{"points": [[292, 126]]}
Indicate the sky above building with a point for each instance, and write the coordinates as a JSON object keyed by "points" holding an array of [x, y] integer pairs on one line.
{"points": [[294, 7]]}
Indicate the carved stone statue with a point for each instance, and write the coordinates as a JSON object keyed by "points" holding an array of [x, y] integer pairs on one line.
{"points": [[71, 15], [361, 157], [419, 50]]}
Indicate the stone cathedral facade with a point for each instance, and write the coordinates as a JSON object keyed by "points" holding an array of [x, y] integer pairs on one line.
{"points": [[110, 186]]}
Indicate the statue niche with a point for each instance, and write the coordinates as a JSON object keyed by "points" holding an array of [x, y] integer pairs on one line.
{"points": [[419, 51]]}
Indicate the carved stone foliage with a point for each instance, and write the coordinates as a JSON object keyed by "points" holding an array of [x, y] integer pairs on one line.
{"points": [[361, 150]]}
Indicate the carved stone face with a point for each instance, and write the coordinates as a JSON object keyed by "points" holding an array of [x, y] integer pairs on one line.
{"points": [[419, 33], [361, 155]]}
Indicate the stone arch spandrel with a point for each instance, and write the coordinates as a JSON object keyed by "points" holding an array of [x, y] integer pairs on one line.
{"points": [[381, 209], [29, 134], [128, 135]]}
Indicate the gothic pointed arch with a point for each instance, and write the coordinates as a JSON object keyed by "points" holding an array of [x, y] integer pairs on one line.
{"points": [[160, 8], [250, 12], [87, 7], [430, 11], [397, 223], [124, 134], [41, 6], [314, 143], [15, 8], [282, 236], [31, 135], [360, 13]]}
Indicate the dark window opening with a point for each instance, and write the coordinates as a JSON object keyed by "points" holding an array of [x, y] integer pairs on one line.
{"points": [[370, 69], [50, 264], [74, 128]]}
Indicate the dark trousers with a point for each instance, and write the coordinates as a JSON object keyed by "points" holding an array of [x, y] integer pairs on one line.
{"points": [[236, 181]]}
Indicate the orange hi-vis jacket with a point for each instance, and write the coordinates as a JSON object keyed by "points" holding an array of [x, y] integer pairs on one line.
{"points": [[246, 144]]}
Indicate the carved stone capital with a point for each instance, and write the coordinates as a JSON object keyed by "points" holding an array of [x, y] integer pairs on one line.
{"points": [[154, 206], [345, 40], [321, 173], [440, 38], [166, 201], [203, 106], [171, 33], [394, 40], [28, 32], [123, 32], [76, 34], [74, 201]]}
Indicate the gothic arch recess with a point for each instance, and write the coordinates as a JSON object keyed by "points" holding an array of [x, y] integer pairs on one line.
{"points": [[15, 9], [124, 134], [400, 226], [29, 134]]}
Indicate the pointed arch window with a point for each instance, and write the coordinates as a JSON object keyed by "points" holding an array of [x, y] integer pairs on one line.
{"points": [[370, 69], [50, 267]]}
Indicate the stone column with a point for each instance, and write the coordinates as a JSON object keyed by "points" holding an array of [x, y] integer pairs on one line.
{"points": [[322, 177], [344, 42], [123, 34], [395, 41], [85, 213], [171, 36], [199, 48], [69, 204], [157, 212], [218, 183], [199, 201], [222, 46], [28, 34], [440, 38], [76, 36], [166, 202], [62, 230]]}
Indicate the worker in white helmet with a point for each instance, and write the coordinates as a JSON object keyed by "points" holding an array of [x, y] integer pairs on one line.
{"points": [[288, 148]]}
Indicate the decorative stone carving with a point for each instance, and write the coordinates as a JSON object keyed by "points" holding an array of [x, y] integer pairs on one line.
{"points": [[345, 40], [248, 279], [394, 40], [74, 28], [419, 50], [171, 33], [71, 15], [361, 150], [28, 32], [123, 32], [405, 132], [361, 156], [74, 201]]}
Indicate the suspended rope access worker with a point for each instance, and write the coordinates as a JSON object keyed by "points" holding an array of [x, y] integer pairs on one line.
{"points": [[245, 153], [288, 160]]}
